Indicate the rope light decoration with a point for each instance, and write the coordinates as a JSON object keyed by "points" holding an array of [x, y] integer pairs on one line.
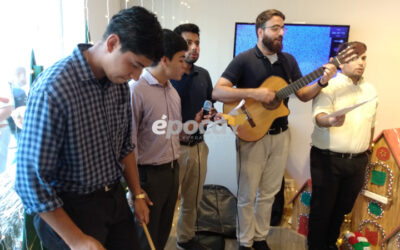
{"points": [[375, 209], [371, 166], [378, 226], [398, 240]]}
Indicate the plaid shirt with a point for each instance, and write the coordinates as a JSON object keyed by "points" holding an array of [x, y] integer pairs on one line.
{"points": [[76, 131]]}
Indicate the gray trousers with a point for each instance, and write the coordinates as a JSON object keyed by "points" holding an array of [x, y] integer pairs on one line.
{"points": [[161, 183], [192, 174], [260, 169]]}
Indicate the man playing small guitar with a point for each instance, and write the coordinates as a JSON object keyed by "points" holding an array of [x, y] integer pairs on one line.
{"points": [[261, 162]]}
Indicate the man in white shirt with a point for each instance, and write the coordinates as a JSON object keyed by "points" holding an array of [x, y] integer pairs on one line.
{"points": [[339, 152]]}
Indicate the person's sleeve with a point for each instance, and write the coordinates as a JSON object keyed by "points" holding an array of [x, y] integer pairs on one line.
{"points": [[374, 121], [136, 115], [39, 151], [234, 70], [296, 72], [128, 145], [322, 103], [209, 87]]}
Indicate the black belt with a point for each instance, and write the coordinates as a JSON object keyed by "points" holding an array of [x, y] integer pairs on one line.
{"points": [[275, 131], [104, 189], [171, 164], [339, 155], [190, 143]]}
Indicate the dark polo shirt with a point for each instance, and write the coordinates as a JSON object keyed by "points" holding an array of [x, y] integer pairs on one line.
{"points": [[250, 69], [194, 88]]}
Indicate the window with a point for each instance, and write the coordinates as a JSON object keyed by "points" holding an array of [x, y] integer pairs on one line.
{"points": [[51, 28]]}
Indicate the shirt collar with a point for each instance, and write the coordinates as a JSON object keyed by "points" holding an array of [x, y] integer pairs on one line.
{"points": [[85, 73], [348, 80], [151, 80], [259, 54]]}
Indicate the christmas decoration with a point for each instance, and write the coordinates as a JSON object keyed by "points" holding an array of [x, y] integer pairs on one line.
{"points": [[305, 198], [373, 236], [375, 209], [383, 153], [357, 241], [303, 224], [378, 179]]}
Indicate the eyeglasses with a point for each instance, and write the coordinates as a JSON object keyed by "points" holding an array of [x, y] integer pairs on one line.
{"points": [[276, 28]]}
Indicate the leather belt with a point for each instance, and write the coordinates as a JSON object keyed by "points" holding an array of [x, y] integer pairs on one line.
{"points": [[171, 164], [339, 155], [275, 131], [190, 143]]}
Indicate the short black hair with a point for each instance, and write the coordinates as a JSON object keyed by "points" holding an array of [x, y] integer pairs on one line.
{"points": [[264, 16], [187, 27], [139, 32], [172, 44]]}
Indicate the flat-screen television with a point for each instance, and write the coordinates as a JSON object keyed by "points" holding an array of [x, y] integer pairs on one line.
{"points": [[311, 44]]}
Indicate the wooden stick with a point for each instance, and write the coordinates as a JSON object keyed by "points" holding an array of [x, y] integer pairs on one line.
{"points": [[146, 231]]}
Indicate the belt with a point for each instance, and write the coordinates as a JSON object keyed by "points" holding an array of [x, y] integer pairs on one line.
{"points": [[190, 143], [339, 155], [102, 190], [275, 131], [171, 164], [108, 187]]}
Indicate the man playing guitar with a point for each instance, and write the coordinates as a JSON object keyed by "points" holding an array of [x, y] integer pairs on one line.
{"points": [[261, 163]]}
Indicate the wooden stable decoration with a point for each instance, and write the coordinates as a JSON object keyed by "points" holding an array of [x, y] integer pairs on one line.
{"points": [[377, 207], [301, 208]]}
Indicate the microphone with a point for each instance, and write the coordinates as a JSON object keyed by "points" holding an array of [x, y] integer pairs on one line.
{"points": [[207, 107]]}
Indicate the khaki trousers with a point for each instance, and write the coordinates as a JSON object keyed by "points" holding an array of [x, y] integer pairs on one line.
{"points": [[260, 169], [192, 174]]}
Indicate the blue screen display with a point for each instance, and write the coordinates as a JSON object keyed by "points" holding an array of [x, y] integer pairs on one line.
{"points": [[311, 44]]}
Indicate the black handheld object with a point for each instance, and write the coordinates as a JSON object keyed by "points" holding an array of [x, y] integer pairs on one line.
{"points": [[207, 107]]}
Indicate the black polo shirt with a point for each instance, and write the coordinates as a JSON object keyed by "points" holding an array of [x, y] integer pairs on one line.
{"points": [[250, 69], [194, 88]]}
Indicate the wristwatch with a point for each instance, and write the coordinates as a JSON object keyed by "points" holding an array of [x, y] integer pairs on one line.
{"points": [[140, 196], [322, 85]]}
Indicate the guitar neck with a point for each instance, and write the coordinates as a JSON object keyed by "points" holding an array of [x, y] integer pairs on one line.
{"points": [[298, 84]]}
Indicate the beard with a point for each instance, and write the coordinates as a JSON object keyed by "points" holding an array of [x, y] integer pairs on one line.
{"points": [[189, 59], [273, 45]]}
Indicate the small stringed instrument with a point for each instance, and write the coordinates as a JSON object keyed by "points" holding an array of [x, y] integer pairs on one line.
{"points": [[259, 117]]}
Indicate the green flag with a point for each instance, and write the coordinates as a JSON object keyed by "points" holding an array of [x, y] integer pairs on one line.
{"points": [[35, 69], [87, 33]]}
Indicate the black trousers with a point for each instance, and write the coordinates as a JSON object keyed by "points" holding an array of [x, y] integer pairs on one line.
{"points": [[104, 215], [336, 183], [161, 183]]}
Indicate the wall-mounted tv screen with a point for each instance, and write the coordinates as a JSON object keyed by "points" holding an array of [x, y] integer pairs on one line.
{"points": [[311, 44]]}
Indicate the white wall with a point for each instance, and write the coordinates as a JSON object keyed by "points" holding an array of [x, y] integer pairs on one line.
{"points": [[375, 23]]}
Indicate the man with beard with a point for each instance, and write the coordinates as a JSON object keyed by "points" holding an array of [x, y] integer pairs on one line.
{"points": [[261, 164], [194, 88], [338, 164]]}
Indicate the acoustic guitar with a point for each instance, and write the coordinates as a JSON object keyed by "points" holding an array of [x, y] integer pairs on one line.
{"points": [[259, 117]]}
